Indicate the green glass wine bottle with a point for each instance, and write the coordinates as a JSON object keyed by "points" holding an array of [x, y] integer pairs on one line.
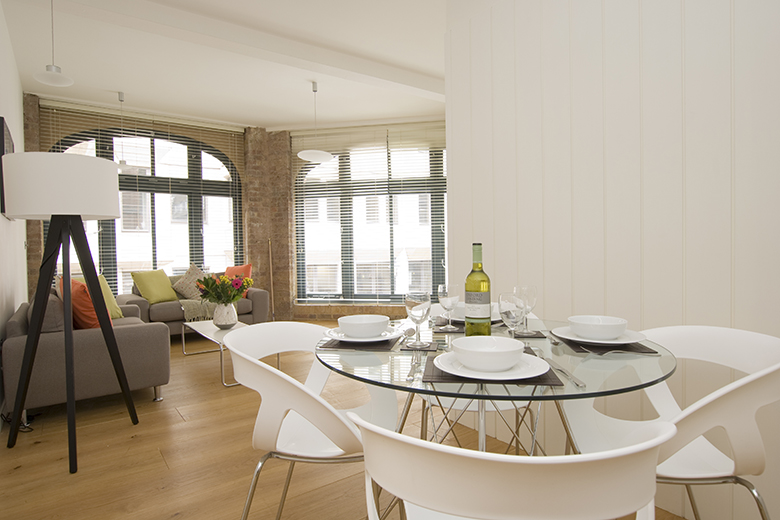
{"points": [[477, 297]]}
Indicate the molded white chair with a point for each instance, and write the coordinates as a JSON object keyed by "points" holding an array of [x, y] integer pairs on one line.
{"points": [[690, 458], [437, 481], [294, 423]]}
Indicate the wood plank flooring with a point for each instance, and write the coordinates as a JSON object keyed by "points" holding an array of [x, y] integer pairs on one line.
{"points": [[190, 456]]}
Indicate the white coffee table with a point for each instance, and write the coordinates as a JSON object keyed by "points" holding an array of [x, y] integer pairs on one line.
{"points": [[211, 332]]}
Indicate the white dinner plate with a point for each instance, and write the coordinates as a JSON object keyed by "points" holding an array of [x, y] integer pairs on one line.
{"points": [[529, 366], [628, 336], [390, 333], [459, 313]]}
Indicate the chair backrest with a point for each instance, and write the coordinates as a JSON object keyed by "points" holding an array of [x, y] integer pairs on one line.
{"points": [[496, 486], [732, 407], [281, 394]]}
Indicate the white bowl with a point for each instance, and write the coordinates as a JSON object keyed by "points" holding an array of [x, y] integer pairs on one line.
{"points": [[488, 353], [363, 325], [597, 327]]}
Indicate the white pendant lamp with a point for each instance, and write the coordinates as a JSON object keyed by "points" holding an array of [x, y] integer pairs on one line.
{"points": [[315, 156], [123, 166], [53, 75]]}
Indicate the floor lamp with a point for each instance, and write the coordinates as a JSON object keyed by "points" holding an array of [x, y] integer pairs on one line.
{"points": [[65, 189]]}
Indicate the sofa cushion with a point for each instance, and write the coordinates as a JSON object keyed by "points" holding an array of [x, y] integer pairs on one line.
{"points": [[244, 306], [113, 308], [155, 286], [53, 318], [121, 322], [244, 271], [17, 324], [166, 311], [84, 315], [187, 284]]}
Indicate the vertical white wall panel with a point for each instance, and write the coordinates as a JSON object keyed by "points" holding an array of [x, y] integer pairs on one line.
{"points": [[504, 270], [556, 149], [756, 216], [528, 148], [587, 157], [662, 164], [622, 161], [708, 172]]}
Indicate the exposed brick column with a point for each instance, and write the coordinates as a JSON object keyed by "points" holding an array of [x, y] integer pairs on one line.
{"points": [[268, 215], [32, 143]]}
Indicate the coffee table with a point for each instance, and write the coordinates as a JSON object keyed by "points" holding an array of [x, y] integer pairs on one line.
{"points": [[211, 332]]}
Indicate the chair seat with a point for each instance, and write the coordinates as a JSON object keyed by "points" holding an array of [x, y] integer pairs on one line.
{"points": [[300, 437], [699, 459]]}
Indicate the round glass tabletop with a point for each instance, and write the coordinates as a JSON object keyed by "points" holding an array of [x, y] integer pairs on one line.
{"points": [[578, 370]]}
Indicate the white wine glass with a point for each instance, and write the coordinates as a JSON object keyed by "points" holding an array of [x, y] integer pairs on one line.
{"points": [[418, 307], [449, 296], [527, 295], [512, 311]]}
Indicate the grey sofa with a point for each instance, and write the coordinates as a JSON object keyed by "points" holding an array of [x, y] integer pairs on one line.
{"points": [[145, 349], [252, 309]]}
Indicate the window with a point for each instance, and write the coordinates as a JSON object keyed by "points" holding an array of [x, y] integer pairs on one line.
{"points": [[180, 197], [383, 197]]}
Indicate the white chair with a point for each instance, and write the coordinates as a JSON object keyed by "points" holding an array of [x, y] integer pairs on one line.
{"points": [[294, 423], [439, 482], [690, 458]]}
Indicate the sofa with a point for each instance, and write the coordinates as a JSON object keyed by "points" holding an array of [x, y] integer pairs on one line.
{"points": [[253, 308], [145, 349]]}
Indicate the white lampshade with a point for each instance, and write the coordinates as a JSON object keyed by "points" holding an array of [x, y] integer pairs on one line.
{"points": [[317, 156], [37, 185]]}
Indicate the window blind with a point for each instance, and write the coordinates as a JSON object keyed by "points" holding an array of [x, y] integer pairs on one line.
{"points": [[370, 223], [180, 191]]}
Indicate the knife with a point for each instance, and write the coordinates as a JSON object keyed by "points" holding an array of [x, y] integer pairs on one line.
{"points": [[577, 382]]}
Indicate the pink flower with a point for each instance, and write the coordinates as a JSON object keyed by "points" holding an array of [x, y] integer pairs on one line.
{"points": [[237, 283]]}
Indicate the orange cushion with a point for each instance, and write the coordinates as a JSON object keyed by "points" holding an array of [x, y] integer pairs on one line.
{"points": [[244, 271], [84, 316]]}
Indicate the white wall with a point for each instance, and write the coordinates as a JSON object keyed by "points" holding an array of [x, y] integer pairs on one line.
{"points": [[13, 270], [623, 156]]}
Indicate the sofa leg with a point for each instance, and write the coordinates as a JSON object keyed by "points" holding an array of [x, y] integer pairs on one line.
{"points": [[157, 396]]}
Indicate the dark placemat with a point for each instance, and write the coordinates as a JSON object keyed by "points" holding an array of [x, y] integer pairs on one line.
{"points": [[459, 329], [370, 346], [433, 374], [601, 349], [432, 347], [537, 334]]}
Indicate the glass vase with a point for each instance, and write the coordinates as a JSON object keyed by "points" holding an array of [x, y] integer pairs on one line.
{"points": [[225, 315]]}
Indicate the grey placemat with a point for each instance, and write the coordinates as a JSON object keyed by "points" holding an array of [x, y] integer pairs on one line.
{"points": [[372, 346], [433, 346], [433, 374], [601, 349]]}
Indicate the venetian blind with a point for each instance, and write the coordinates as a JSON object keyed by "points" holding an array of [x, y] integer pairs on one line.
{"points": [[180, 191], [370, 223]]}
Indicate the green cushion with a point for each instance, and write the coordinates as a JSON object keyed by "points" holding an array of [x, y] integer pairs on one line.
{"points": [[154, 286]]}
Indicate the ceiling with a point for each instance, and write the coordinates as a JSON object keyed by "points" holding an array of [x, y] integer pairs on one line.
{"points": [[240, 62]]}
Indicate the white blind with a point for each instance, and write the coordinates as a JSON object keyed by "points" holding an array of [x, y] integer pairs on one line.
{"points": [[370, 223]]}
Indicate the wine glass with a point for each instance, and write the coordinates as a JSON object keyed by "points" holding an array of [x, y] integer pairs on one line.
{"points": [[418, 307], [512, 310], [527, 295], [449, 296]]}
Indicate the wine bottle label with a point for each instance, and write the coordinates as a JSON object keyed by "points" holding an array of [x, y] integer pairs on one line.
{"points": [[477, 305]]}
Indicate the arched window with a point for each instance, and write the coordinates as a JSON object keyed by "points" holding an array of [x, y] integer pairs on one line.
{"points": [[180, 203], [370, 223]]}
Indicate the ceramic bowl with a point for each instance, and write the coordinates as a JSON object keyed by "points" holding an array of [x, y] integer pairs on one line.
{"points": [[363, 325], [488, 353], [597, 327]]}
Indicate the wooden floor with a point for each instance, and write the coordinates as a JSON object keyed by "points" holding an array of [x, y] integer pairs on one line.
{"points": [[189, 457]]}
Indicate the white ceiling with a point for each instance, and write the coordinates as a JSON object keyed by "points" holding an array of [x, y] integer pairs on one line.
{"points": [[242, 62]]}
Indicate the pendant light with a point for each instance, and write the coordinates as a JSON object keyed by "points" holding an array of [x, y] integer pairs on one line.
{"points": [[123, 166], [315, 156], [53, 75]]}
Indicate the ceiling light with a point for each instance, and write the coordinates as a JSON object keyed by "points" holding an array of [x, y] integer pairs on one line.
{"points": [[53, 75], [316, 156]]}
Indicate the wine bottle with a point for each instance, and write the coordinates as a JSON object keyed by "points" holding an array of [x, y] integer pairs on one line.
{"points": [[477, 297]]}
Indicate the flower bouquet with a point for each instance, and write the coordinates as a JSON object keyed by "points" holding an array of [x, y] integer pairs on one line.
{"points": [[223, 290]]}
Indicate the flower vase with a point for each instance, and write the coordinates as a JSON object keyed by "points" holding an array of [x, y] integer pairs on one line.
{"points": [[225, 315]]}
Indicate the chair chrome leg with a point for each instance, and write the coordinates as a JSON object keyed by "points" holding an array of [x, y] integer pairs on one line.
{"points": [[689, 489], [157, 392], [286, 487], [756, 496], [253, 486]]}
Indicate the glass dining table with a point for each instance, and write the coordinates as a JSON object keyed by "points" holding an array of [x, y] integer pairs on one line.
{"points": [[577, 370]]}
